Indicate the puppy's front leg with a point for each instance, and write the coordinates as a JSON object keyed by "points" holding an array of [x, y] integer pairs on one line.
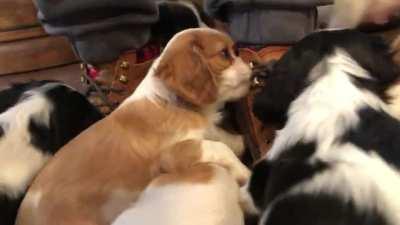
{"points": [[220, 153], [235, 142], [188, 153]]}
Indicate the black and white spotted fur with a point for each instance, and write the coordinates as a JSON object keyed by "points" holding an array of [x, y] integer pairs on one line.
{"points": [[36, 120], [335, 159]]}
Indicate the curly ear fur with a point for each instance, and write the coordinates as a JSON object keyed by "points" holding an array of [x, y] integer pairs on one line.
{"points": [[186, 73]]}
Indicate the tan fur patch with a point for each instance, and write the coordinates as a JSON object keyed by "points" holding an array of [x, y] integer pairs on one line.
{"points": [[119, 152]]}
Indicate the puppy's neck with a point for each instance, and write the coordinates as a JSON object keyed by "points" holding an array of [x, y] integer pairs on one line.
{"points": [[153, 89], [327, 108]]}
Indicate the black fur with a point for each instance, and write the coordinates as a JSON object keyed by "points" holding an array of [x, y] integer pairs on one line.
{"points": [[10, 96], [9, 209], [289, 75], [271, 181], [321, 209], [71, 114], [377, 131], [273, 178]]}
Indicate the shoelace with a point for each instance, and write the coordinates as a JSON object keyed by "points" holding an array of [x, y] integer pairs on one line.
{"points": [[94, 87]]}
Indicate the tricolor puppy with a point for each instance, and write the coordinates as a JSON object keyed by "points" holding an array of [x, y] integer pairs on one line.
{"points": [[150, 154], [36, 119], [336, 158]]}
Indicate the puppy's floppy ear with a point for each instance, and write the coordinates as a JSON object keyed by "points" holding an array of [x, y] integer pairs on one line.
{"points": [[186, 73]]}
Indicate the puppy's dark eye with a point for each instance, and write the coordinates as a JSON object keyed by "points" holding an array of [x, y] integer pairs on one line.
{"points": [[225, 54]]}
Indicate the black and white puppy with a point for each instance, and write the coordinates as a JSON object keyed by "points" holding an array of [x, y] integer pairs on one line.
{"points": [[36, 119], [336, 158]]}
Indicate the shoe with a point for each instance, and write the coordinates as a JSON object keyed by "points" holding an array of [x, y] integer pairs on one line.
{"points": [[111, 83]]}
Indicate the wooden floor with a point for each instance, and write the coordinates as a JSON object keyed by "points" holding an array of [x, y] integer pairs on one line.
{"points": [[69, 74]]}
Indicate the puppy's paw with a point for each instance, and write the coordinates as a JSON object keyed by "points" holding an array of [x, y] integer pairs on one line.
{"points": [[241, 173], [220, 153], [246, 201]]}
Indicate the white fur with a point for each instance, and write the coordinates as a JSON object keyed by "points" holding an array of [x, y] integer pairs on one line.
{"points": [[235, 82], [234, 142], [150, 88], [366, 179], [19, 160], [118, 201], [323, 112], [246, 201], [328, 107], [209, 203]]}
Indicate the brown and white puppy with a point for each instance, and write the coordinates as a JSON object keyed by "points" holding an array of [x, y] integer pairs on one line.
{"points": [[153, 141]]}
